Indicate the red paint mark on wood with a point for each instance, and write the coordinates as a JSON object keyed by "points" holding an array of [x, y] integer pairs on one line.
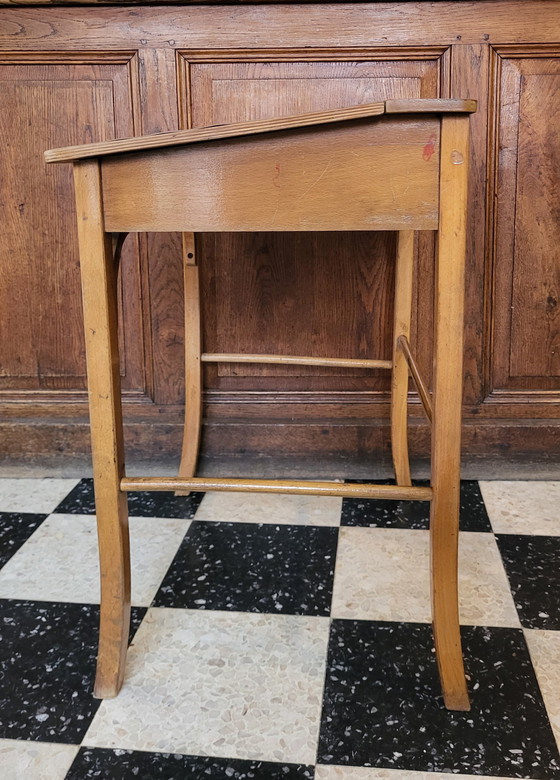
{"points": [[276, 175], [429, 147]]}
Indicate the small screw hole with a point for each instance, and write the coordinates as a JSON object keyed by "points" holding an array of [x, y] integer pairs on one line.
{"points": [[190, 255]]}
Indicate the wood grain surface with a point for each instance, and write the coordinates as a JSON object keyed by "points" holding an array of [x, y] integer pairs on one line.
{"points": [[342, 176], [264, 26], [74, 103], [446, 419], [526, 319], [99, 288], [198, 135], [171, 70]]}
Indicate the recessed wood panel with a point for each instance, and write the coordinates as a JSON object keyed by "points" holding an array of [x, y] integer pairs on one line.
{"points": [[41, 339], [250, 62], [268, 286], [240, 91], [526, 304]]}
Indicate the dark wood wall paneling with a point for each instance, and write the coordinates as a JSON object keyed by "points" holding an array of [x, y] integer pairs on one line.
{"points": [[71, 75], [526, 252]]}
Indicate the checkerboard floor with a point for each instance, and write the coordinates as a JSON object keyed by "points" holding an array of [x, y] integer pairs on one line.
{"points": [[279, 637]]}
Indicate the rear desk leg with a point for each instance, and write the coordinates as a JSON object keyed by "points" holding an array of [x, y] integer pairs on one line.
{"points": [[100, 321], [399, 374], [446, 427], [193, 368]]}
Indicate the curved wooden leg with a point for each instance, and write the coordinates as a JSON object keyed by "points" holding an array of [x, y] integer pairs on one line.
{"points": [[114, 559], [447, 636], [446, 424], [193, 369], [99, 280], [399, 375]]}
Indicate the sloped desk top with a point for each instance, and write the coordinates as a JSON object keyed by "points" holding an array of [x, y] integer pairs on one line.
{"points": [[159, 140]]}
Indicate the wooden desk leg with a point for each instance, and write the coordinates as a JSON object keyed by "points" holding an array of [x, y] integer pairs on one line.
{"points": [[193, 368], [399, 374], [446, 427], [100, 321]]}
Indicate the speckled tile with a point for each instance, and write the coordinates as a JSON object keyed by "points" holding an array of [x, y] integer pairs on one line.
{"points": [[143, 503], [15, 530], [369, 773], [49, 653], [33, 495], [377, 513], [21, 760], [206, 683], [133, 764], [376, 567], [544, 647], [382, 705], [532, 564], [523, 507], [270, 508], [45, 568], [252, 568], [233, 694]]}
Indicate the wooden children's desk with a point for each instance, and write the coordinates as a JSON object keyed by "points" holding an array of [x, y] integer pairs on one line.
{"points": [[395, 165]]}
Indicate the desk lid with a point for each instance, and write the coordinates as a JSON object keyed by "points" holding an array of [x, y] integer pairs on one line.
{"points": [[215, 132]]}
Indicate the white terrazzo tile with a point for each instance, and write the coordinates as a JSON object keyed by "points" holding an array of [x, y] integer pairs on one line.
{"points": [[383, 574], [59, 562], [270, 508], [21, 760], [33, 495], [206, 683], [523, 507], [544, 647], [366, 773]]}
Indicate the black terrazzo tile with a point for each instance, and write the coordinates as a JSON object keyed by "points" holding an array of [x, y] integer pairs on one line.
{"points": [[472, 513], [124, 764], [252, 567], [15, 530], [151, 504], [79, 501], [47, 660], [382, 705], [532, 564], [144, 503], [378, 513]]}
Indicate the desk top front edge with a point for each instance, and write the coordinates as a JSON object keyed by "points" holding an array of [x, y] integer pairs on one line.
{"points": [[215, 132]]}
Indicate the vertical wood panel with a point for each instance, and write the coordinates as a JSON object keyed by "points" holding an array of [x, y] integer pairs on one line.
{"points": [[526, 311], [299, 298], [469, 76], [329, 295], [164, 279], [41, 339], [49, 339], [535, 333]]}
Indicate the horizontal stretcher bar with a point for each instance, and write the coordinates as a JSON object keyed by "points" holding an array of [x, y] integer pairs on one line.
{"points": [[391, 492], [295, 360]]}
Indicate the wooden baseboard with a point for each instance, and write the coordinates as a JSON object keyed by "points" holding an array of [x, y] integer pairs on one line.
{"points": [[352, 444]]}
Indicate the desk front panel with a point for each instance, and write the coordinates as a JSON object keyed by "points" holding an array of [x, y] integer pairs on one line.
{"points": [[374, 174]]}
